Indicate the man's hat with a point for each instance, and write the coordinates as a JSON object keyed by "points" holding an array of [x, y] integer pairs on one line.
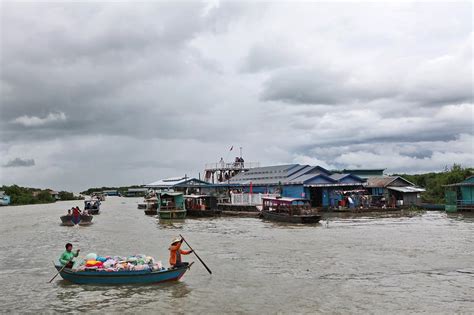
{"points": [[176, 240]]}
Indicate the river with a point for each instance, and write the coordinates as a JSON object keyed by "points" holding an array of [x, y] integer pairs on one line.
{"points": [[421, 262]]}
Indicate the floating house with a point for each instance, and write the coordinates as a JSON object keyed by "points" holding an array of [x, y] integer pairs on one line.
{"points": [[4, 199], [393, 191], [111, 192], [322, 187], [460, 196], [136, 192], [54, 194], [184, 184]]}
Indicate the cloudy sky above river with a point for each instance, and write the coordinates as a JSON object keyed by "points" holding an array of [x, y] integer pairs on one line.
{"points": [[122, 93]]}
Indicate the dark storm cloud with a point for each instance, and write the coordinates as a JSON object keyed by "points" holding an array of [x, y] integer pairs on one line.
{"points": [[18, 162], [82, 74], [265, 56], [158, 89], [317, 86]]}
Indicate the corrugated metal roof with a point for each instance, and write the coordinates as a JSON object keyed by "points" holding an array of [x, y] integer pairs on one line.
{"points": [[380, 181], [167, 182], [304, 170], [407, 189], [303, 178], [267, 175]]}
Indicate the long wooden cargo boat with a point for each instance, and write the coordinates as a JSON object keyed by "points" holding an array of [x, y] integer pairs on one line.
{"points": [[122, 277], [292, 210]]}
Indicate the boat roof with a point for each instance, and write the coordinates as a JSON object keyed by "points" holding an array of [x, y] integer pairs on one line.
{"points": [[287, 199], [199, 196], [171, 193]]}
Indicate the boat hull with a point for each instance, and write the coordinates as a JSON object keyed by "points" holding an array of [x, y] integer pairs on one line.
{"points": [[93, 211], [281, 217], [172, 214], [121, 277], [151, 212], [70, 220]]}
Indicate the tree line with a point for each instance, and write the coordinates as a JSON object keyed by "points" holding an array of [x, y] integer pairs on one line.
{"points": [[434, 182], [24, 195]]}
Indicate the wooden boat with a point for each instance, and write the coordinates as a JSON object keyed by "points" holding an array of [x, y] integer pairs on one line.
{"points": [[122, 277], [201, 206], [292, 210], [171, 205], [70, 220], [151, 205], [92, 206]]}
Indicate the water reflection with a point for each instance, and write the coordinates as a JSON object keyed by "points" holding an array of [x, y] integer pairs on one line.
{"points": [[170, 224], [74, 297], [461, 216]]}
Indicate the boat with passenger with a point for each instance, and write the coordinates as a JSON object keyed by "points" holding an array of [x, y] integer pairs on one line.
{"points": [[137, 269], [75, 216], [201, 206], [292, 210], [92, 206]]}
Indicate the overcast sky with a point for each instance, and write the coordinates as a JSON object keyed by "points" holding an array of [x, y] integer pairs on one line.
{"points": [[123, 93]]}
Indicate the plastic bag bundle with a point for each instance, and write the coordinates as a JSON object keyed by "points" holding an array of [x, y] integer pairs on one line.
{"points": [[91, 256], [118, 263]]}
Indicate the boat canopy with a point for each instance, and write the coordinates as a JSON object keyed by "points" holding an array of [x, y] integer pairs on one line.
{"points": [[199, 196], [172, 194], [285, 200]]}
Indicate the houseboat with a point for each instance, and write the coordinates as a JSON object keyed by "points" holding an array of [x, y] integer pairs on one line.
{"points": [[171, 205], [201, 206], [293, 210]]}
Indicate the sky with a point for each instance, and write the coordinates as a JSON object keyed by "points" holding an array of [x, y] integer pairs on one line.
{"points": [[121, 93]]}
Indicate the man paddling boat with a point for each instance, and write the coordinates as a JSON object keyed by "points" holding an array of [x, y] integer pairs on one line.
{"points": [[67, 257], [176, 252]]}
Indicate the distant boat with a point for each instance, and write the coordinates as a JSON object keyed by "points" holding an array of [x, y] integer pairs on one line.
{"points": [[201, 206], [70, 220], [292, 210], [151, 205], [171, 205], [92, 206], [122, 277]]}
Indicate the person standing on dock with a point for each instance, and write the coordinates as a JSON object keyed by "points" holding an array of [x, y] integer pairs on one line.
{"points": [[67, 257], [176, 252]]}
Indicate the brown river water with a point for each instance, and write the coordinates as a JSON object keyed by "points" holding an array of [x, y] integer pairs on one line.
{"points": [[368, 263]]}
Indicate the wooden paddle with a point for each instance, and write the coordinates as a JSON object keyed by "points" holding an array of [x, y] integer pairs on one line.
{"points": [[61, 270], [202, 262]]}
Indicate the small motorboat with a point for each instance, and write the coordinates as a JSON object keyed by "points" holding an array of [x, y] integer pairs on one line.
{"points": [[71, 220], [122, 277], [92, 206]]}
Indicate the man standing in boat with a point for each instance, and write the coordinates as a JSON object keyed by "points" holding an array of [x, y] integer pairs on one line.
{"points": [[176, 252], [67, 257]]}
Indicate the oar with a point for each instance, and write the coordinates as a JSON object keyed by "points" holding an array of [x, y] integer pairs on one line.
{"points": [[202, 262], [60, 270]]}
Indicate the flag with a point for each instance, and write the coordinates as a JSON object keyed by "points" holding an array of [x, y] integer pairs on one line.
{"points": [[231, 148]]}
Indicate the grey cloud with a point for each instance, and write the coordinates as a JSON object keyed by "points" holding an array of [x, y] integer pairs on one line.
{"points": [[159, 89], [267, 56], [18, 162], [318, 86]]}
